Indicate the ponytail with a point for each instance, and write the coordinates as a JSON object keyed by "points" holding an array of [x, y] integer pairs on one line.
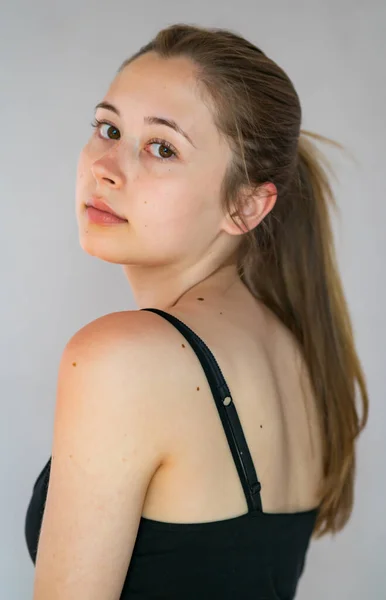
{"points": [[293, 270]]}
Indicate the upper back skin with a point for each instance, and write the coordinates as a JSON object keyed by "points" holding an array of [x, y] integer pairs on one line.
{"points": [[262, 366]]}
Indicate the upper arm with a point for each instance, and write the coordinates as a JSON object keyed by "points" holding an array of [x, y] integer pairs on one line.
{"points": [[106, 448]]}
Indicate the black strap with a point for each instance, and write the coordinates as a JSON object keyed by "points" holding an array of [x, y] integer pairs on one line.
{"points": [[226, 409]]}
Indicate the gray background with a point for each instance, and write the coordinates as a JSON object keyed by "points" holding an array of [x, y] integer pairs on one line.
{"points": [[57, 59]]}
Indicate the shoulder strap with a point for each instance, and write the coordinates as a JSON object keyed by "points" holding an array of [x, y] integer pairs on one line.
{"points": [[226, 409]]}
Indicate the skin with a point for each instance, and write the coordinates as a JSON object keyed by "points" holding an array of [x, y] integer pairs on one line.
{"points": [[177, 241]]}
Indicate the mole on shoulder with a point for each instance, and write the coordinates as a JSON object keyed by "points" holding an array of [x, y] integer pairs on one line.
{"points": [[201, 299]]}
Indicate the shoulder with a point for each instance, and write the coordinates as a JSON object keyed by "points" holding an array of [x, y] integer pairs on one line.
{"points": [[120, 335], [118, 328], [113, 371], [139, 341], [119, 346]]}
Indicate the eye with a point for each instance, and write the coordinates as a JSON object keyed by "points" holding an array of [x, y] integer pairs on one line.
{"points": [[108, 131], [106, 128], [165, 148]]}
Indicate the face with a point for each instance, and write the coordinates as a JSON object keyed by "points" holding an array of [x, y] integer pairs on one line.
{"points": [[164, 184]]}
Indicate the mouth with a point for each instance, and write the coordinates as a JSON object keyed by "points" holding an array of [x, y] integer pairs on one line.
{"points": [[100, 213], [98, 205]]}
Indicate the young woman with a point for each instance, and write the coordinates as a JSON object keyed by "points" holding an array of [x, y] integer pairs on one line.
{"points": [[200, 441]]}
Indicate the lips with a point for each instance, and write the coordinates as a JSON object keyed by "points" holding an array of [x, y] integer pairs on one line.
{"points": [[97, 203]]}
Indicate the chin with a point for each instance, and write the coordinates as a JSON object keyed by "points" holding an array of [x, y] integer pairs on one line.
{"points": [[101, 248]]}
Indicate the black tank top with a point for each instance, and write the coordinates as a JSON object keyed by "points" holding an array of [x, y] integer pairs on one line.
{"points": [[257, 555]]}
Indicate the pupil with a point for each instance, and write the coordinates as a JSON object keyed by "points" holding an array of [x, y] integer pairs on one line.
{"points": [[115, 132]]}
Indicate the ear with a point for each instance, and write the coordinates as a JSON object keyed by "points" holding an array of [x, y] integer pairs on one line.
{"points": [[253, 206]]}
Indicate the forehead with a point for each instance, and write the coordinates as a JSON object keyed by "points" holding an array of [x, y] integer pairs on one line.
{"points": [[152, 85]]}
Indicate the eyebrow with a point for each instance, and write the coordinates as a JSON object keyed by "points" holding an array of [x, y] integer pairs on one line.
{"points": [[150, 120]]}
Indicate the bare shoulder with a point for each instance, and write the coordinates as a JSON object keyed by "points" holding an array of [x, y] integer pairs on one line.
{"points": [[116, 364], [133, 351], [124, 333], [118, 326]]}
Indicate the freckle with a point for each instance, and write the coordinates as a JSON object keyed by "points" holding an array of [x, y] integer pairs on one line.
{"points": [[261, 427], [198, 389], [220, 313], [70, 455], [124, 459], [201, 299], [183, 345], [74, 364]]}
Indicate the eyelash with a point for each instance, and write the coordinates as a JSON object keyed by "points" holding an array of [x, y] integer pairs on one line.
{"points": [[97, 125]]}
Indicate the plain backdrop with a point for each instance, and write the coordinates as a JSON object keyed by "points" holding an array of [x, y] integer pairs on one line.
{"points": [[56, 62]]}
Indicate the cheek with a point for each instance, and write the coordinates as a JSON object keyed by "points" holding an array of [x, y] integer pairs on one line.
{"points": [[82, 165], [82, 174], [176, 216], [168, 204]]}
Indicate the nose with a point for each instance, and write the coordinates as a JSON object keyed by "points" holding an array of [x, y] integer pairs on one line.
{"points": [[106, 171]]}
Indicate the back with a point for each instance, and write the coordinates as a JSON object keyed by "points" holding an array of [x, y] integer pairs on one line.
{"points": [[263, 369], [206, 530]]}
